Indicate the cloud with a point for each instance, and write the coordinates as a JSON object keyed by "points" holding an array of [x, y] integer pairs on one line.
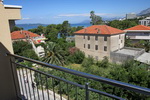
{"points": [[57, 17], [27, 18], [73, 15], [87, 15]]}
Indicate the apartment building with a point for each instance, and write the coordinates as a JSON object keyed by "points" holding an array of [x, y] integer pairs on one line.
{"points": [[131, 16], [145, 21], [8, 15], [98, 41], [137, 33]]}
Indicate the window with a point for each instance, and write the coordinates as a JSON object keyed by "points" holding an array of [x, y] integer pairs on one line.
{"points": [[96, 38], [105, 48], [96, 57], [84, 37], [121, 41], [88, 37], [105, 38], [84, 45], [88, 46], [96, 47], [119, 36]]}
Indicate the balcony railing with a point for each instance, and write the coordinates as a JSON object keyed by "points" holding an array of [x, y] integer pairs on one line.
{"points": [[40, 85]]}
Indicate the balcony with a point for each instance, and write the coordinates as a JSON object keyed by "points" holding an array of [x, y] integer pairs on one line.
{"points": [[21, 82]]}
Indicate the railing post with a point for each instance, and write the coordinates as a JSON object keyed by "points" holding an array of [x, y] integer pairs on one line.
{"points": [[86, 91]]}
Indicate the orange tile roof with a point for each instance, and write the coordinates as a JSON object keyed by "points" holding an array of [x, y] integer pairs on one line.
{"points": [[21, 34], [100, 29], [139, 27]]}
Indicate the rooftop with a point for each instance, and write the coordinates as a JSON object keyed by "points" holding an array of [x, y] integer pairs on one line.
{"points": [[12, 6], [138, 28], [100, 29], [22, 34], [129, 51]]}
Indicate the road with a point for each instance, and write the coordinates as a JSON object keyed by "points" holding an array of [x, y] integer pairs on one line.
{"points": [[26, 87]]}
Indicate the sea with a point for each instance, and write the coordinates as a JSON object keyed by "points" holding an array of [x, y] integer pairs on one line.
{"points": [[32, 26]]}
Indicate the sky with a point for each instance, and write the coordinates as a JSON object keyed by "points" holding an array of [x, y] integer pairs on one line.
{"points": [[75, 11]]}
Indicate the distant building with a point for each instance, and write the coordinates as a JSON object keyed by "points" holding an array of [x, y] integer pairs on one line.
{"points": [[70, 38], [60, 35], [25, 35], [137, 33], [131, 16], [145, 21], [98, 41]]}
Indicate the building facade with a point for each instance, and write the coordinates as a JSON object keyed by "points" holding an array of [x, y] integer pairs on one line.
{"points": [[137, 33], [8, 15], [131, 16], [98, 41], [145, 21]]}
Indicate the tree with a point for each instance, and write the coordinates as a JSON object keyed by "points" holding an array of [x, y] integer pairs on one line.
{"points": [[147, 45], [29, 53], [53, 54], [20, 46], [15, 28], [65, 27], [123, 24], [77, 57], [87, 62], [95, 20]]}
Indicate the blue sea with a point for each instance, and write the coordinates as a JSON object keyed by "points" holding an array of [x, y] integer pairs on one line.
{"points": [[31, 26]]}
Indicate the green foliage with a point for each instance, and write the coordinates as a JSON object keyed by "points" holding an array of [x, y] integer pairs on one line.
{"points": [[129, 72], [39, 30], [104, 63], [141, 44], [77, 57], [65, 27], [20, 46], [123, 24], [133, 73], [26, 63], [53, 54], [23, 48], [95, 20], [15, 28], [87, 62], [29, 53]]}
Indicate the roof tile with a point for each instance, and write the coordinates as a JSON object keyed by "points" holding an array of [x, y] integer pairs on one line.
{"points": [[139, 27], [100, 29], [21, 34]]}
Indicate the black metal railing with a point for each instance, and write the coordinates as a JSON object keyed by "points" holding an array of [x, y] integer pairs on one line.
{"points": [[45, 85]]}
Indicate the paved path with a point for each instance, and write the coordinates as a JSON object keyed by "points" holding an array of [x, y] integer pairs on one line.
{"points": [[33, 93]]}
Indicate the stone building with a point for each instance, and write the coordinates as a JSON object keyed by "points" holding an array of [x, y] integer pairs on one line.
{"points": [[98, 41]]}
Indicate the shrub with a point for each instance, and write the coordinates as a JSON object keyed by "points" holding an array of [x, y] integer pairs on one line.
{"points": [[87, 62], [77, 57], [104, 63]]}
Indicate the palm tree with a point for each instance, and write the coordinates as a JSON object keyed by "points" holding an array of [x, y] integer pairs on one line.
{"points": [[53, 54], [147, 45]]}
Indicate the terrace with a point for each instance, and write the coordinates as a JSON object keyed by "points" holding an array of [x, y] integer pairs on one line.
{"points": [[20, 82]]}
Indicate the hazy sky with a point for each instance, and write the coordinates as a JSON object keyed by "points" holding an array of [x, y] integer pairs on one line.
{"points": [[75, 11]]}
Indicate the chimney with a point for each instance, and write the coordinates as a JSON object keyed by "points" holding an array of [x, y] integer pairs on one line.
{"points": [[20, 31], [98, 30], [85, 30]]}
